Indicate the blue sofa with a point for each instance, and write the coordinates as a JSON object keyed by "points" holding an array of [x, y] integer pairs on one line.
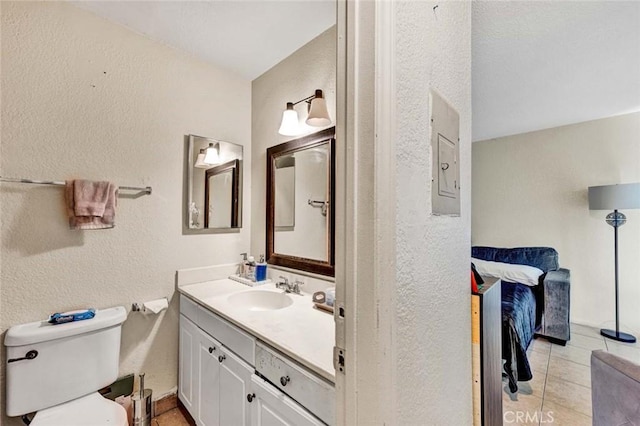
{"points": [[553, 292]]}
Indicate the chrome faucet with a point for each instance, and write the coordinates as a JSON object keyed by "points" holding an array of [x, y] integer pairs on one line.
{"points": [[289, 288]]}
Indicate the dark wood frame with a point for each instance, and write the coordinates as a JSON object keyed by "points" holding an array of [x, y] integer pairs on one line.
{"points": [[234, 166], [301, 263]]}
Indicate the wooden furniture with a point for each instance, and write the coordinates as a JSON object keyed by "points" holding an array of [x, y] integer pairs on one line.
{"points": [[486, 341]]}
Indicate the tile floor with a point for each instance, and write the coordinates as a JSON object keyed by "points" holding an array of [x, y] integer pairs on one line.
{"points": [[175, 417], [560, 391]]}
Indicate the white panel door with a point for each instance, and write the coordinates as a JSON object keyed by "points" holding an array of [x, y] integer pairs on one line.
{"points": [[187, 392], [271, 407], [235, 386], [209, 350]]}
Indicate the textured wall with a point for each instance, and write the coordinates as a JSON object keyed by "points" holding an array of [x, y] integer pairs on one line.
{"points": [[311, 67], [531, 189], [433, 300], [82, 97]]}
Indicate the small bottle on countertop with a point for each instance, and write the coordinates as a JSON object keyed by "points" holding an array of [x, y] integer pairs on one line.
{"points": [[251, 268], [261, 269], [243, 266]]}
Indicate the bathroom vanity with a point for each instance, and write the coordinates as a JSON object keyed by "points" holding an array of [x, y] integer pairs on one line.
{"points": [[254, 356]]}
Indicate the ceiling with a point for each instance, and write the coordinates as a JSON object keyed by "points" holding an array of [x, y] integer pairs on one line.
{"points": [[542, 64], [247, 37], [536, 64]]}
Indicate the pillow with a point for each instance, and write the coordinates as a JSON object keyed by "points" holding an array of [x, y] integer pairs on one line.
{"points": [[523, 274]]}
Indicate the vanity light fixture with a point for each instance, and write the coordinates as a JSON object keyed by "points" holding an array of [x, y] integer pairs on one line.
{"points": [[212, 154], [200, 161], [209, 156], [318, 114]]}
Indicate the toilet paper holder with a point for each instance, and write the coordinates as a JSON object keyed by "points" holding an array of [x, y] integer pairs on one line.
{"points": [[140, 307]]}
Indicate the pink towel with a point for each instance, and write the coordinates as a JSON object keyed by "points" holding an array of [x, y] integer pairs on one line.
{"points": [[91, 205]]}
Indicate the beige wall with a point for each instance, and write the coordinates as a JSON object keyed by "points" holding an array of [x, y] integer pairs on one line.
{"points": [[531, 189], [82, 97], [311, 67], [433, 339]]}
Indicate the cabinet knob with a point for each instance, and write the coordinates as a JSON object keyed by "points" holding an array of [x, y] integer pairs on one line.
{"points": [[211, 349], [221, 358], [284, 380], [250, 397]]}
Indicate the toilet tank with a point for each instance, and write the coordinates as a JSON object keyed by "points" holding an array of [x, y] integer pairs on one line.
{"points": [[73, 359]]}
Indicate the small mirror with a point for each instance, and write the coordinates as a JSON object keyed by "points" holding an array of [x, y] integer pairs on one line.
{"points": [[214, 185], [300, 208]]}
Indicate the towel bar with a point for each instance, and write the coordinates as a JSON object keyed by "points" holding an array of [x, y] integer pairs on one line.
{"points": [[145, 189]]}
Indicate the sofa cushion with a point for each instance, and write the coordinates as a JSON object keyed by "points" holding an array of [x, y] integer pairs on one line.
{"points": [[545, 258], [509, 272]]}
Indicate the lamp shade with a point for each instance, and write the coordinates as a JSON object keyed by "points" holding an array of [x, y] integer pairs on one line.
{"points": [[318, 114], [200, 161], [212, 154], [614, 197], [289, 125]]}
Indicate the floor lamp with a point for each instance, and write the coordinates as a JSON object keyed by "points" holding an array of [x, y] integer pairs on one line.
{"points": [[614, 197]]}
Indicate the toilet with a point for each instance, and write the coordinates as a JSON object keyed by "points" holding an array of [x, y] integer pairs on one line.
{"points": [[57, 370]]}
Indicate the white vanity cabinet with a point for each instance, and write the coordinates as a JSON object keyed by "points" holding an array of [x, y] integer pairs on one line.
{"points": [[227, 377], [213, 382]]}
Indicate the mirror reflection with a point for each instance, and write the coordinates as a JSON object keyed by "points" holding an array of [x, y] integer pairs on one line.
{"points": [[301, 197], [221, 196], [300, 213], [214, 182]]}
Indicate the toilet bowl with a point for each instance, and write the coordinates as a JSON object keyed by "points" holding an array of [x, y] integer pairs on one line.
{"points": [[90, 410], [57, 370]]}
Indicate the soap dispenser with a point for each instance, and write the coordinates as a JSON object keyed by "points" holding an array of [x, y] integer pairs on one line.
{"points": [[261, 269]]}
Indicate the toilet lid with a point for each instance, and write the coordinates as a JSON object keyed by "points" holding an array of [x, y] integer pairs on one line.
{"points": [[90, 410]]}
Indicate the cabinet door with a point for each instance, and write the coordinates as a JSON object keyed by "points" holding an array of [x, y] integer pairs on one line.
{"points": [[208, 410], [187, 375], [235, 386], [271, 407]]}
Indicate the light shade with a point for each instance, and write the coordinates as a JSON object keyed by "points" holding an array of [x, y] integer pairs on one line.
{"points": [[212, 154], [200, 161], [318, 114], [289, 125], [614, 197]]}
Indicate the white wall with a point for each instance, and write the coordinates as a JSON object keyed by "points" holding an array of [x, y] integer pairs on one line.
{"points": [[531, 189], [433, 320], [82, 97], [311, 67]]}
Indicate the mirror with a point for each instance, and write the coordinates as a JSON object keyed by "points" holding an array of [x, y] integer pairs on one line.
{"points": [[221, 195], [214, 185], [300, 203]]}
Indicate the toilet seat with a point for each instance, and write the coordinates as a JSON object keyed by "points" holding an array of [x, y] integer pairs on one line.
{"points": [[90, 410]]}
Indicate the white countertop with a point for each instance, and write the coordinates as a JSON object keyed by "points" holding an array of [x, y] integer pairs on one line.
{"points": [[300, 331]]}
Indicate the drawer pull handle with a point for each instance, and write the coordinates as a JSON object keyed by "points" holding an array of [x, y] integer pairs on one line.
{"points": [[29, 355], [211, 349], [284, 380], [221, 358], [250, 397]]}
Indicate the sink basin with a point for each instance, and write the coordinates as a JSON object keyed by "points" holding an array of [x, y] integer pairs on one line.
{"points": [[260, 300]]}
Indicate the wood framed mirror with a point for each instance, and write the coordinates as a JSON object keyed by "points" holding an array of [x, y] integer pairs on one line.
{"points": [[301, 203]]}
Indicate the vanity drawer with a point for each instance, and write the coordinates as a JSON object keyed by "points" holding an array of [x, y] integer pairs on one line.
{"points": [[229, 335], [189, 308], [312, 392]]}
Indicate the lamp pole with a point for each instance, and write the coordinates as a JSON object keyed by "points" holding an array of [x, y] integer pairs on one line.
{"points": [[617, 219]]}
